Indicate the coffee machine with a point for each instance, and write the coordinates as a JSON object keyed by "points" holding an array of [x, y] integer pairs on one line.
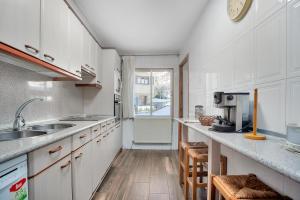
{"points": [[235, 111]]}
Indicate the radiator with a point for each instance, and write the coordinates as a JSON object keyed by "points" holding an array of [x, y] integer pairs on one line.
{"points": [[149, 130]]}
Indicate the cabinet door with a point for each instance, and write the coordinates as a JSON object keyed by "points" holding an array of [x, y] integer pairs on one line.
{"points": [[106, 149], [118, 134], [99, 65], [99, 167], [55, 32], [82, 172], [75, 44], [53, 183], [93, 55], [20, 25], [86, 50]]}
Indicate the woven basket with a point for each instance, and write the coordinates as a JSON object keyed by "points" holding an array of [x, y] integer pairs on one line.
{"points": [[206, 120]]}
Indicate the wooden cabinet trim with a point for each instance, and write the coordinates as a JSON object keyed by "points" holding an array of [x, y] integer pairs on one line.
{"points": [[26, 57]]}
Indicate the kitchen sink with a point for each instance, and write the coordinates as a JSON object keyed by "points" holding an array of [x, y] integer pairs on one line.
{"points": [[32, 131], [50, 127], [12, 135]]}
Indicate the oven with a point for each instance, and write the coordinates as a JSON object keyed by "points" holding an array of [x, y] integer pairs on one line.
{"points": [[117, 107]]}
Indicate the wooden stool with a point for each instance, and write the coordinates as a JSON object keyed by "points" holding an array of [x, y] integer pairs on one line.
{"points": [[239, 187], [183, 149], [199, 156]]}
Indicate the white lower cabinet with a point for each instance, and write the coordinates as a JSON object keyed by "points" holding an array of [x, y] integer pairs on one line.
{"points": [[98, 156], [53, 183], [73, 168], [82, 165], [118, 133]]}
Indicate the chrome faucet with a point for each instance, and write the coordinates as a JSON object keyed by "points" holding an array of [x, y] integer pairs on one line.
{"points": [[19, 121]]}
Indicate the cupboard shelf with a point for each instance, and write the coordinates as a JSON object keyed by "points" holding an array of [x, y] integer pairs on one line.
{"points": [[49, 68], [89, 85]]}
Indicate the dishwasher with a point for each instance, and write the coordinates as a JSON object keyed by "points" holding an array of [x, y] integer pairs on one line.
{"points": [[13, 179]]}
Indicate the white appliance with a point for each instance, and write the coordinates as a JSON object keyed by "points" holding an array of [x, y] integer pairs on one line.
{"points": [[13, 179]]}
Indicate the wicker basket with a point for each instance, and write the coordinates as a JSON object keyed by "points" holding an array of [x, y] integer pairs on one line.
{"points": [[206, 120]]}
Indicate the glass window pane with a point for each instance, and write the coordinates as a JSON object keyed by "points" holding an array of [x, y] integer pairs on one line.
{"points": [[142, 95], [161, 93]]}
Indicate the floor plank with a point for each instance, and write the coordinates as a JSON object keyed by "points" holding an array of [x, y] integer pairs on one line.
{"points": [[142, 175]]}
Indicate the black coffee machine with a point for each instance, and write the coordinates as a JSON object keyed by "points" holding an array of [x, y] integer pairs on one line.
{"points": [[235, 111]]}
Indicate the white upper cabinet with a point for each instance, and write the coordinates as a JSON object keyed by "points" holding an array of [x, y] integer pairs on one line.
{"points": [[55, 33], [99, 70], [75, 35], [86, 50], [293, 40], [20, 25]]}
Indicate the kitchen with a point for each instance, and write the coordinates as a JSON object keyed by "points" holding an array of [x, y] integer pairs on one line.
{"points": [[115, 100]]}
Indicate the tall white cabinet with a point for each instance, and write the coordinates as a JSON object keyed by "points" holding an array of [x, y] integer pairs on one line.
{"points": [[103, 102], [20, 25]]}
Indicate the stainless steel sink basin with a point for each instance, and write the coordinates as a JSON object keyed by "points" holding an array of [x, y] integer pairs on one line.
{"points": [[33, 131], [50, 127], [12, 135]]}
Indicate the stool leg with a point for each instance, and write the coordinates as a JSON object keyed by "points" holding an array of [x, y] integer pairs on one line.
{"points": [[186, 173], [223, 165], [213, 189], [194, 178], [180, 167], [201, 172]]}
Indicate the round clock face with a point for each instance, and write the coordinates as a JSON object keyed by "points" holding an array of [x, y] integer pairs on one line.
{"points": [[237, 9]]}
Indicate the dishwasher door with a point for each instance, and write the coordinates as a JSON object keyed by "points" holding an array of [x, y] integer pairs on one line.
{"points": [[13, 179]]}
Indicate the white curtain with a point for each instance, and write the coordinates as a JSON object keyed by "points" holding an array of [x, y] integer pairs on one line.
{"points": [[128, 67]]}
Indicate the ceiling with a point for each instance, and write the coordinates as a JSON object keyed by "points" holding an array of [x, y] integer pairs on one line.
{"points": [[141, 26]]}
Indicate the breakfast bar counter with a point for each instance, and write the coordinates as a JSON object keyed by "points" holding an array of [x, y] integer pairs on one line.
{"points": [[271, 152]]}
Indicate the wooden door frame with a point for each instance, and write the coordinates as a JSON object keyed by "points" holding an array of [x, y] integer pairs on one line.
{"points": [[180, 96]]}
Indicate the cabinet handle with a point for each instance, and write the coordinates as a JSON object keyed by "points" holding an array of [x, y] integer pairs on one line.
{"points": [[104, 136], [87, 66], [118, 126], [65, 165], [95, 130], [77, 71], [103, 126], [55, 150], [31, 49], [82, 136], [80, 155], [98, 140], [48, 57], [112, 130], [93, 68]]}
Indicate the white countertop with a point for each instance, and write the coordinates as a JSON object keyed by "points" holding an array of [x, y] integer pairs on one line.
{"points": [[13, 148], [270, 152]]}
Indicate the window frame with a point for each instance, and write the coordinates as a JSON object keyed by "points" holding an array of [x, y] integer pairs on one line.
{"points": [[151, 70]]}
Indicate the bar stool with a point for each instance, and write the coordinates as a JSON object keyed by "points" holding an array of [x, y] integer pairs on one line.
{"points": [[239, 187], [199, 156], [183, 149]]}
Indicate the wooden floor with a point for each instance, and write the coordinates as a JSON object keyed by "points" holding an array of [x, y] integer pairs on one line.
{"points": [[142, 175]]}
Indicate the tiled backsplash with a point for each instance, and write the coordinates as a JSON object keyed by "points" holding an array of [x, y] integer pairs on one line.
{"points": [[261, 51], [18, 85]]}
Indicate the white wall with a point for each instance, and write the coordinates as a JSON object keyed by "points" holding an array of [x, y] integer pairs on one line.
{"points": [[168, 61], [228, 56]]}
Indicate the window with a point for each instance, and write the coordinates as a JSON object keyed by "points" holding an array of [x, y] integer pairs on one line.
{"points": [[153, 92]]}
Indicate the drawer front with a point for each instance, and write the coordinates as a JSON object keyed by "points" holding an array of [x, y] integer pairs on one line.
{"points": [[96, 131], [44, 157], [81, 139], [110, 124], [103, 127]]}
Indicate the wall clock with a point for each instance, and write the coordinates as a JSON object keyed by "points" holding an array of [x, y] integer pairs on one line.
{"points": [[237, 9]]}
